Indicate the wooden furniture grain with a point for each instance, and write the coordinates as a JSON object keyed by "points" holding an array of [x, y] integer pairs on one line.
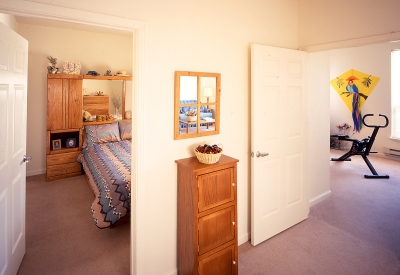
{"points": [[64, 101], [207, 217], [96, 105], [61, 163], [64, 120]]}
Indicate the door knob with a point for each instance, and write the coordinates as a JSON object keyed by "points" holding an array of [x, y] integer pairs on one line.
{"points": [[258, 154], [27, 159]]}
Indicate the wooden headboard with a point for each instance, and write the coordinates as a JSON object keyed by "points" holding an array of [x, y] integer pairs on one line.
{"points": [[96, 105]]}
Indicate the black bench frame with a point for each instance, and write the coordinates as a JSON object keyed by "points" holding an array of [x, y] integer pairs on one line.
{"points": [[363, 147]]}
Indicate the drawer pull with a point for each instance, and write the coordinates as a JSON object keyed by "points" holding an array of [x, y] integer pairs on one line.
{"points": [[234, 262], [233, 223], [233, 184]]}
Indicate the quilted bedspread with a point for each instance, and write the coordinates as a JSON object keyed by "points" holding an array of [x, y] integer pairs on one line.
{"points": [[108, 168]]}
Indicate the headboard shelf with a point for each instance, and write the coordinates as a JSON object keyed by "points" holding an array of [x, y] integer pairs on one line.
{"points": [[89, 123]]}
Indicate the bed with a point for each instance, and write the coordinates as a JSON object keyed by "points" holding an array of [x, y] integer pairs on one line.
{"points": [[106, 161]]}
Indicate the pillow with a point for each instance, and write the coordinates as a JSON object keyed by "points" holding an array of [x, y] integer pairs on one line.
{"points": [[203, 109], [125, 130], [185, 109], [101, 134]]}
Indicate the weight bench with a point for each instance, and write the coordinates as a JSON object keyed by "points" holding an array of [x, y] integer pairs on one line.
{"points": [[363, 147]]}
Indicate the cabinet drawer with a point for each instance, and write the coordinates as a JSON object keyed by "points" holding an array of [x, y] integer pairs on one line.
{"points": [[216, 188], [61, 169], [62, 158], [216, 229], [221, 263]]}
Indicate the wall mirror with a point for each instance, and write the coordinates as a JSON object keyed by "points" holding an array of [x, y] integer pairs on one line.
{"points": [[102, 96], [197, 104]]}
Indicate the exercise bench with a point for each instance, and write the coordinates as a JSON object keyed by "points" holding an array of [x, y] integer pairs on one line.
{"points": [[363, 147]]}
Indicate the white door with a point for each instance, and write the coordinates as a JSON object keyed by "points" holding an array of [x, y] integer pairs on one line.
{"points": [[279, 195], [13, 91]]}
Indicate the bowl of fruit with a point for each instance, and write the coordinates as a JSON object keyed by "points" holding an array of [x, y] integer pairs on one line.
{"points": [[208, 154]]}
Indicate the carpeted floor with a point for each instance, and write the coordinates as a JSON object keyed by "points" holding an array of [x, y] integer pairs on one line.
{"points": [[355, 231], [61, 237]]}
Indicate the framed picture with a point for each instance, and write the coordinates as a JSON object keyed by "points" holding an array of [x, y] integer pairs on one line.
{"points": [[56, 144]]}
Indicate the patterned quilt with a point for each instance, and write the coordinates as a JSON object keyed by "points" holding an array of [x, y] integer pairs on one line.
{"points": [[108, 168]]}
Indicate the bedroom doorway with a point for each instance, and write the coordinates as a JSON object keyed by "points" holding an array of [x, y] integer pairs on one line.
{"points": [[138, 29]]}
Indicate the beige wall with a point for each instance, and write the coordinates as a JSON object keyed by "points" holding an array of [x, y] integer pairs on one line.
{"points": [[209, 36], [371, 59], [9, 21], [340, 22], [96, 51], [206, 36]]}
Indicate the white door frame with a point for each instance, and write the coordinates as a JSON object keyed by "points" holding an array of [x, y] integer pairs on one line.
{"points": [[43, 11]]}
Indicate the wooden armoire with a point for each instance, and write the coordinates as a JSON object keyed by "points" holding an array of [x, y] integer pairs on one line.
{"points": [[64, 122]]}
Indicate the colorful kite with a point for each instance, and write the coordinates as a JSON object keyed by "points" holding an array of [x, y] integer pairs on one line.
{"points": [[354, 87]]}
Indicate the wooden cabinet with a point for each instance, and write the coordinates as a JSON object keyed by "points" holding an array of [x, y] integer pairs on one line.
{"points": [[64, 101], [64, 121], [62, 162], [207, 217]]}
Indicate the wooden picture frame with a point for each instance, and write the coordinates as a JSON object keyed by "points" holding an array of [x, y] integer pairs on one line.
{"points": [[56, 144]]}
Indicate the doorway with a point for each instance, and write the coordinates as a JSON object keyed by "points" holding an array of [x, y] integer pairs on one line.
{"points": [[137, 28]]}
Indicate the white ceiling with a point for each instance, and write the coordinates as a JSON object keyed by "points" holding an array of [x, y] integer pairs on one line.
{"points": [[68, 25]]}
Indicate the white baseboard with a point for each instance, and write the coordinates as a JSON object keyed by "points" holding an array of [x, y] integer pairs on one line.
{"points": [[172, 272], [244, 238], [35, 172], [320, 198]]}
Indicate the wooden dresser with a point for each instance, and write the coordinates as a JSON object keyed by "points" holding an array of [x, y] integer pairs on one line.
{"points": [[207, 217]]}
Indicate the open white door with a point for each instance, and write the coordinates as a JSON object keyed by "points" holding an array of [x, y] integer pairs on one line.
{"points": [[13, 91], [279, 195]]}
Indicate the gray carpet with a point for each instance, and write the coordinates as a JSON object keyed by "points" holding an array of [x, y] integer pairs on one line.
{"points": [[355, 231], [61, 237]]}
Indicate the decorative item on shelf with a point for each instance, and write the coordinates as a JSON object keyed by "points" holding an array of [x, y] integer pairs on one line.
{"points": [[116, 101], [109, 117], [99, 93], [344, 128], [86, 116], [121, 73], [56, 144], [208, 154], [94, 73], [191, 115], [72, 67], [99, 118], [52, 68], [84, 91], [128, 114], [71, 143], [108, 73]]}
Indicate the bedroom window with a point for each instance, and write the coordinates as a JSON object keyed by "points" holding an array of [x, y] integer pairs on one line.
{"points": [[395, 123]]}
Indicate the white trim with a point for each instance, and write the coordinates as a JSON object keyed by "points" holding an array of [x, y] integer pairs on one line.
{"points": [[33, 9], [362, 41], [320, 198], [244, 239], [35, 172]]}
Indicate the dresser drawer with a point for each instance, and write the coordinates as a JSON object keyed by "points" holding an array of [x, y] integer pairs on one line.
{"points": [[216, 188], [62, 169], [216, 229], [62, 158], [221, 262]]}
